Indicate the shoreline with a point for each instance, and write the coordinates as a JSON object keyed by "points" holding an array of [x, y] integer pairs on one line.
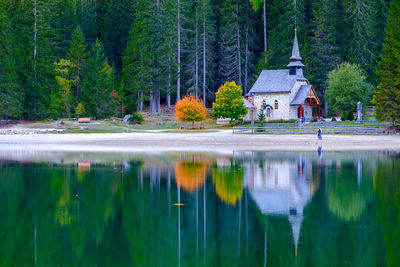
{"points": [[220, 141]]}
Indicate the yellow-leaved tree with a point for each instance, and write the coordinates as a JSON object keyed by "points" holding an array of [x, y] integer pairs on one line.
{"points": [[190, 109], [229, 102]]}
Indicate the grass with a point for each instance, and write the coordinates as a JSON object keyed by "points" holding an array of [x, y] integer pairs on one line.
{"points": [[115, 125]]}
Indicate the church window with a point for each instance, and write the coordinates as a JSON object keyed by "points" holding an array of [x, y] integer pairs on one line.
{"points": [[276, 104]]}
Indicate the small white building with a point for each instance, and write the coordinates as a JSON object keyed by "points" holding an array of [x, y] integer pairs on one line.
{"points": [[284, 94]]}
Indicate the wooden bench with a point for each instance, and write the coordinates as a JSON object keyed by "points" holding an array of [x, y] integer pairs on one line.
{"points": [[83, 120]]}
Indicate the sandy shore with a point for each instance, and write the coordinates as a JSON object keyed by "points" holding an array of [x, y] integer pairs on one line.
{"points": [[208, 141]]}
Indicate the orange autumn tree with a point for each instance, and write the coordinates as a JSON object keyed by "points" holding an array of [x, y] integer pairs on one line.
{"points": [[190, 109]]}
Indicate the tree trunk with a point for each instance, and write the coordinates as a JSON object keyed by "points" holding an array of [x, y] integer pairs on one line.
{"points": [[265, 31], [204, 55], [140, 103], [238, 45], [246, 63], [169, 89], [178, 88], [158, 102], [67, 108], [197, 58], [151, 102], [35, 41]]}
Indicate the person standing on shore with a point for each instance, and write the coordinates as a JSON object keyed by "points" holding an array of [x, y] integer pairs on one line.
{"points": [[319, 134]]}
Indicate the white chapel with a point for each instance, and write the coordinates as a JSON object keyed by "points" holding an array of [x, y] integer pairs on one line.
{"points": [[284, 94]]}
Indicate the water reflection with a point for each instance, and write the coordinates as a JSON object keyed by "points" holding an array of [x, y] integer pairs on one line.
{"points": [[190, 175], [282, 187], [246, 209], [348, 194], [228, 181]]}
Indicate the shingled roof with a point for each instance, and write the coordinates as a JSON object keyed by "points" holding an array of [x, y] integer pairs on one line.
{"points": [[276, 81], [301, 95]]}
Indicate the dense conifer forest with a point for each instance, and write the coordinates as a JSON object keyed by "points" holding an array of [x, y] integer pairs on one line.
{"points": [[65, 58]]}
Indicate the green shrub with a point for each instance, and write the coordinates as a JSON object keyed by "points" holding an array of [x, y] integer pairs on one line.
{"points": [[344, 117], [261, 117], [136, 118], [281, 121], [350, 116], [54, 115]]}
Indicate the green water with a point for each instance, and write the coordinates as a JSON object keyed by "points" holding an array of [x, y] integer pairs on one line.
{"points": [[245, 209]]}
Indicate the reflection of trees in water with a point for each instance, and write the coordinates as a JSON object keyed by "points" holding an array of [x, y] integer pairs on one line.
{"points": [[341, 238], [346, 198], [387, 188], [190, 175], [119, 216], [228, 183]]}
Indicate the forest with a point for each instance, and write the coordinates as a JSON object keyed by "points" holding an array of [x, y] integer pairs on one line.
{"points": [[101, 58]]}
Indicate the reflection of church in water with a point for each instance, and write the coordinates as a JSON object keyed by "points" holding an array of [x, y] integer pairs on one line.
{"points": [[282, 187]]}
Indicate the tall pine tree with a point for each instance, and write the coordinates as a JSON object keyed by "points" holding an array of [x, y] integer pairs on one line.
{"points": [[10, 90], [77, 55], [387, 93], [98, 84]]}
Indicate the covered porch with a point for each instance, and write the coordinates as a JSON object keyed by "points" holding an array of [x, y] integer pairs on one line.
{"points": [[304, 100]]}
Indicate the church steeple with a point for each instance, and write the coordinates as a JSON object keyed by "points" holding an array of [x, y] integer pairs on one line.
{"points": [[295, 59]]}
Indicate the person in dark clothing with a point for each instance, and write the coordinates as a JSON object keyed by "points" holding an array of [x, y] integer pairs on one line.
{"points": [[319, 134]]}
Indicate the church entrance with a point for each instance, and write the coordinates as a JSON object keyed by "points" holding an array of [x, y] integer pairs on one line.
{"points": [[268, 112], [300, 112]]}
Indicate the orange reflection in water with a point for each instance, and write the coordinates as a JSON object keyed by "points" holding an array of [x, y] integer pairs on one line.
{"points": [[190, 175]]}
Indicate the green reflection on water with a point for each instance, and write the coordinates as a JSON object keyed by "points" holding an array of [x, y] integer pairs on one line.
{"points": [[250, 209]]}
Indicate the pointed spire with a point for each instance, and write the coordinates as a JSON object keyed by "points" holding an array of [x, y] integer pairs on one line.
{"points": [[295, 59], [295, 50]]}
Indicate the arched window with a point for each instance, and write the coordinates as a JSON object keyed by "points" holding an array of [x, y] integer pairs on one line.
{"points": [[276, 104]]}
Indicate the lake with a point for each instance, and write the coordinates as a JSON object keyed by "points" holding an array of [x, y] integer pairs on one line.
{"points": [[200, 209]]}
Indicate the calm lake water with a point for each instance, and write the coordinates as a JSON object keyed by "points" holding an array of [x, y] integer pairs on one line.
{"points": [[193, 209]]}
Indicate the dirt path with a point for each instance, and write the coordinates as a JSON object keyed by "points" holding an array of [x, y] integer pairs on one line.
{"points": [[222, 140]]}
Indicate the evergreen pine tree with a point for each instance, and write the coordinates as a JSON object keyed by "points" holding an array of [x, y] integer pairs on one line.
{"points": [[207, 54], [10, 94], [87, 12], [324, 44], [33, 40], [64, 22], [283, 15], [361, 43], [115, 22], [230, 50], [387, 93], [98, 84], [168, 48], [78, 56], [140, 62]]}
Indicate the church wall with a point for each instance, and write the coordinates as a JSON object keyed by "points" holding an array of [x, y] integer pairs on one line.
{"points": [[293, 112], [283, 105], [308, 112], [285, 111]]}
